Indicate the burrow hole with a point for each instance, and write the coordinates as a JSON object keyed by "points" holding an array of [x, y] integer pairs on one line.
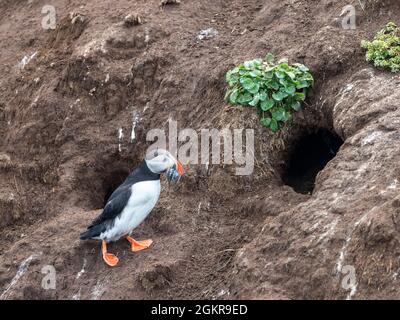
{"points": [[308, 157], [112, 182]]}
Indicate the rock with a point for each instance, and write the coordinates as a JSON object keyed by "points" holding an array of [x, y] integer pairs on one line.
{"points": [[207, 34], [68, 29], [4, 158], [132, 19], [167, 2]]}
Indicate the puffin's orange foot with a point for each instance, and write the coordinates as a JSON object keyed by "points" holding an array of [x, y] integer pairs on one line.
{"points": [[139, 245], [109, 258]]}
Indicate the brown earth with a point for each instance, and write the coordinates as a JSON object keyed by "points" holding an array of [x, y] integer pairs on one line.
{"points": [[216, 235]]}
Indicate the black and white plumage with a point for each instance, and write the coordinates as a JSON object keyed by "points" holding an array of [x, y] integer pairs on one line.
{"points": [[134, 199], [127, 206]]}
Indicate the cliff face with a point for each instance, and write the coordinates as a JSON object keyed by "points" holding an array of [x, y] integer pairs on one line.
{"points": [[77, 102]]}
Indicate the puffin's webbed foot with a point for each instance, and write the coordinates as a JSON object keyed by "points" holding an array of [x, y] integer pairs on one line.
{"points": [[139, 245], [109, 258]]}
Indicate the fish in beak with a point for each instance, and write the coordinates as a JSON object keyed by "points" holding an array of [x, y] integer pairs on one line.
{"points": [[174, 173]]}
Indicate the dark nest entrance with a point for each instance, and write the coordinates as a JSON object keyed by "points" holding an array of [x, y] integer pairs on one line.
{"points": [[112, 182], [309, 156]]}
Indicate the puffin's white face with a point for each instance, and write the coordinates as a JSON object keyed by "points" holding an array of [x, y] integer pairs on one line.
{"points": [[161, 161]]}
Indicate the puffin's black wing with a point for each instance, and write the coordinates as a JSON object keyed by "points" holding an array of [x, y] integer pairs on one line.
{"points": [[114, 206], [112, 209]]}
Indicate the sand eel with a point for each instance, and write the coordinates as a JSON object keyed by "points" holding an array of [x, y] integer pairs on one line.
{"points": [[132, 202]]}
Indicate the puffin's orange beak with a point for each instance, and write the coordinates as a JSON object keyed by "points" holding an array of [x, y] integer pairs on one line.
{"points": [[179, 167]]}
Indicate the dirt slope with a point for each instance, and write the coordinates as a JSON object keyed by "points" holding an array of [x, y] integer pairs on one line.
{"points": [[215, 235]]}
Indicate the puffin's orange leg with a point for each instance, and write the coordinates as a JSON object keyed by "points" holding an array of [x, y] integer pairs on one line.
{"points": [[109, 258], [139, 245]]}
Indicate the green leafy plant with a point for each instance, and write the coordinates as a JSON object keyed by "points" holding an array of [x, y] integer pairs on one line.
{"points": [[276, 90], [384, 50]]}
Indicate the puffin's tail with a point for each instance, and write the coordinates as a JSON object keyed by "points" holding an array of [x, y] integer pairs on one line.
{"points": [[92, 231], [86, 235]]}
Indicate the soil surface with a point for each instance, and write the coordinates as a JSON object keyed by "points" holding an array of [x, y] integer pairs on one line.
{"points": [[67, 94]]}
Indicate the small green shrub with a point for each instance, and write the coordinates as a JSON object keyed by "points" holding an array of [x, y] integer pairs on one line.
{"points": [[276, 90], [384, 50]]}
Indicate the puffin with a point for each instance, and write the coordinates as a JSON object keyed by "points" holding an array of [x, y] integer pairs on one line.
{"points": [[131, 203]]}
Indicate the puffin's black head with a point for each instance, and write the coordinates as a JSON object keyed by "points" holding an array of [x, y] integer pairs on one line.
{"points": [[161, 161]]}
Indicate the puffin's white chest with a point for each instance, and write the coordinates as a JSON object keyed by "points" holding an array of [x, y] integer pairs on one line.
{"points": [[144, 196]]}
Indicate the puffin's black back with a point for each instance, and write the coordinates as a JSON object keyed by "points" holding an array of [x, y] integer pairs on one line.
{"points": [[118, 200]]}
